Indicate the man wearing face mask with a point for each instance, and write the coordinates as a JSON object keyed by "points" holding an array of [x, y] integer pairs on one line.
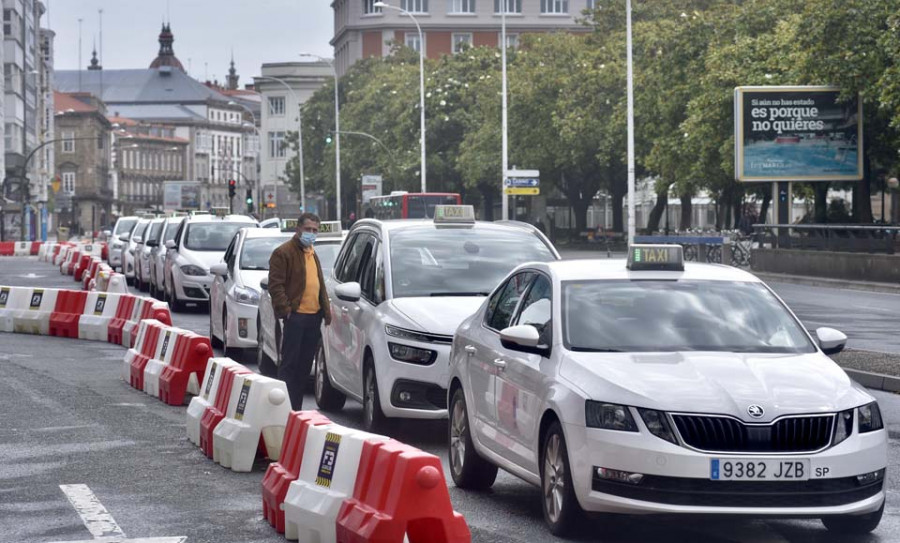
{"points": [[297, 287]]}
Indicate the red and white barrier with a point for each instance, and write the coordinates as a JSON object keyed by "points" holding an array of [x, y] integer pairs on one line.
{"points": [[216, 412], [162, 355], [400, 492], [324, 482], [256, 415], [212, 378], [67, 312], [100, 309], [12, 299], [146, 342], [282, 473], [22, 248], [36, 318], [182, 374]]}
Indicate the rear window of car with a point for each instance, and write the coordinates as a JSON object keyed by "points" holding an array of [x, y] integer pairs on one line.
{"points": [[211, 236]]}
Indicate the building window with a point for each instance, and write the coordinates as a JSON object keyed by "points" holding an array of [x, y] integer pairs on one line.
{"points": [[512, 6], [460, 6], [414, 6], [512, 40], [68, 182], [411, 39], [276, 145], [554, 6], [461, 41], [591, 4], [68, 142], [369, 7]]}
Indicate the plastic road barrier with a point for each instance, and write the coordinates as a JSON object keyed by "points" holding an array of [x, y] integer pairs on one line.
{"points": [[400, 491], [7, 248], [100, 309], [212, 378], [23, 248], [91, 272], [117, 323], [144, 352], [71, 262], [326, 480], [117, 283], [216, 412], [68, 310], [279, 475], [144, 308], [162, 355], [36, 318], [81, 266], [43, 249], [182, 373], [12, 299], [255, 419]]}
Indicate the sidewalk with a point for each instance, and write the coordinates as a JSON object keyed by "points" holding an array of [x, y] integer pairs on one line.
{"points": [[870, 286], [879, 371]]}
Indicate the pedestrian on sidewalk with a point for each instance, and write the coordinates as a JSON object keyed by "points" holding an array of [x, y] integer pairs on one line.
{"points": [[297, 287]]}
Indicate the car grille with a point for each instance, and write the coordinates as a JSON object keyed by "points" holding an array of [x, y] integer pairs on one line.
{"points": [[725, 434], [707, 493]]}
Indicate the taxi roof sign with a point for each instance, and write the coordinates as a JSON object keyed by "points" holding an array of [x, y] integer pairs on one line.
{"points": [[655, 257], [220, 212], [330, 229], [288, 225], [457, 214]]}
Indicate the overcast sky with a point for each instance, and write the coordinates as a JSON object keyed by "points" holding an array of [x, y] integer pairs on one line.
{"points": [[205, 32]]}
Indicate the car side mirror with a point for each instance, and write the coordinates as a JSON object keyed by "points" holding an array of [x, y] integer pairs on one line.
{"points": [[524, 338], [831, 341], [264, 283], [170, 244], [220, 269], [152, 243], [124, 238], [348, 292]]}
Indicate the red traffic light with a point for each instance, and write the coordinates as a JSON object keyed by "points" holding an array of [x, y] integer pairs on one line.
{"points": [[231, 182]]}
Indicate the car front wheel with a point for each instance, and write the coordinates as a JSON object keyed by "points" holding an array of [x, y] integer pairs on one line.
{"points": [[854, 524], [373, 417], [327, 397], [469, 470], [213, 340], [561, 510]]}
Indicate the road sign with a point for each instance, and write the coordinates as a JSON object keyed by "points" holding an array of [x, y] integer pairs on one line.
{"points": [[522, 191], [523, 182], [523, 173]]}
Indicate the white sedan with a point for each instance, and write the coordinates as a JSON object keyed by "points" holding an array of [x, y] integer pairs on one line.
{"points": [[658, 387], [234, 296]]}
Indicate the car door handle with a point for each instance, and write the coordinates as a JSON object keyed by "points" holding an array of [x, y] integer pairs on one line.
{"points": [[470, 349], [500, 363]]}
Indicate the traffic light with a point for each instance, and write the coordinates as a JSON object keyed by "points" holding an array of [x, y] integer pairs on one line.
{"points": [[231, 188], [250, 199], [328, 140]]}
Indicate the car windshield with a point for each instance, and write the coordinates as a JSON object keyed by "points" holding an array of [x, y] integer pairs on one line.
{"points": [[139, 230], [155, 228], [124, 226], [171, 230], [255, 252], [211, 236], [429, 261], [667, 316], [327, 253]]}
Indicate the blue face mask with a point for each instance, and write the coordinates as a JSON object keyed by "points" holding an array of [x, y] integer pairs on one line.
{"points": [[307, 239]]}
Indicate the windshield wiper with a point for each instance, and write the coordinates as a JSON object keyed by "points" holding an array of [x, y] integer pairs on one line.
{"points": [[459, 293]]}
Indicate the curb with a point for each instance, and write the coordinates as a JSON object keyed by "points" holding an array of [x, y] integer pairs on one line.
{"points": [[876, 381], [868, 286]]}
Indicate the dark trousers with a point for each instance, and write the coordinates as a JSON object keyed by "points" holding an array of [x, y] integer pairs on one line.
{"points": [[300, 340]]}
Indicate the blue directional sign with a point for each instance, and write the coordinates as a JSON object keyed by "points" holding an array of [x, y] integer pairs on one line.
{"points": [[522, 182]]}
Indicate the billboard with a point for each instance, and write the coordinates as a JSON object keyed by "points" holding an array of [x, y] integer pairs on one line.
{"points": [[796, 134], [184, 195], [371, 186]]}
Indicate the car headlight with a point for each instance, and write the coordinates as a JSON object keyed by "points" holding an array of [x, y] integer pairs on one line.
{"points": [[870, 418], [843, 426], [608, 416], [413, 355], [405, 334], [246, 295], [658, 424], [191, 269]]}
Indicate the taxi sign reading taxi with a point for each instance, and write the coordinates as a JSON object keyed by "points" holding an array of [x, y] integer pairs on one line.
{"points": [[329, 228], [655, 257], [220, 212], [454, 214], [288, 225]]}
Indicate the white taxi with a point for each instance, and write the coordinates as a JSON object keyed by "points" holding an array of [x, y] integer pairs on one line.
{"points": [[234, 296], [661, 387], [328, 244], [400, 288]]}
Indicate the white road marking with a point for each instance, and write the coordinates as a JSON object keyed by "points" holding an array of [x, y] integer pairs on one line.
{"points": [[31, 276], [100, 522]]}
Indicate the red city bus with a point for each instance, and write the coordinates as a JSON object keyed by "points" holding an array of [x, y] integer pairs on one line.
{"points": [[409, 205]]}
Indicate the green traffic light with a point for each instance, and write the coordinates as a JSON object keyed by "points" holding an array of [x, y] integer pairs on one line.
{"points": [[249, 201], [328, 140]]}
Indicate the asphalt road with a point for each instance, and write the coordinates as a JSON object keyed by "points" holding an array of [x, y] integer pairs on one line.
{"points": [[68, 419]]}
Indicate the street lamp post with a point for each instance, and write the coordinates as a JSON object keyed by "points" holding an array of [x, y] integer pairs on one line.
{"points": [[337, 133], [421, 82], [505, 143], [299, 136], [630, 90]]}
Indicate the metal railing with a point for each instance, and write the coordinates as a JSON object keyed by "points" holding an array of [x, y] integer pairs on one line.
{"points": [[851, 238]]}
